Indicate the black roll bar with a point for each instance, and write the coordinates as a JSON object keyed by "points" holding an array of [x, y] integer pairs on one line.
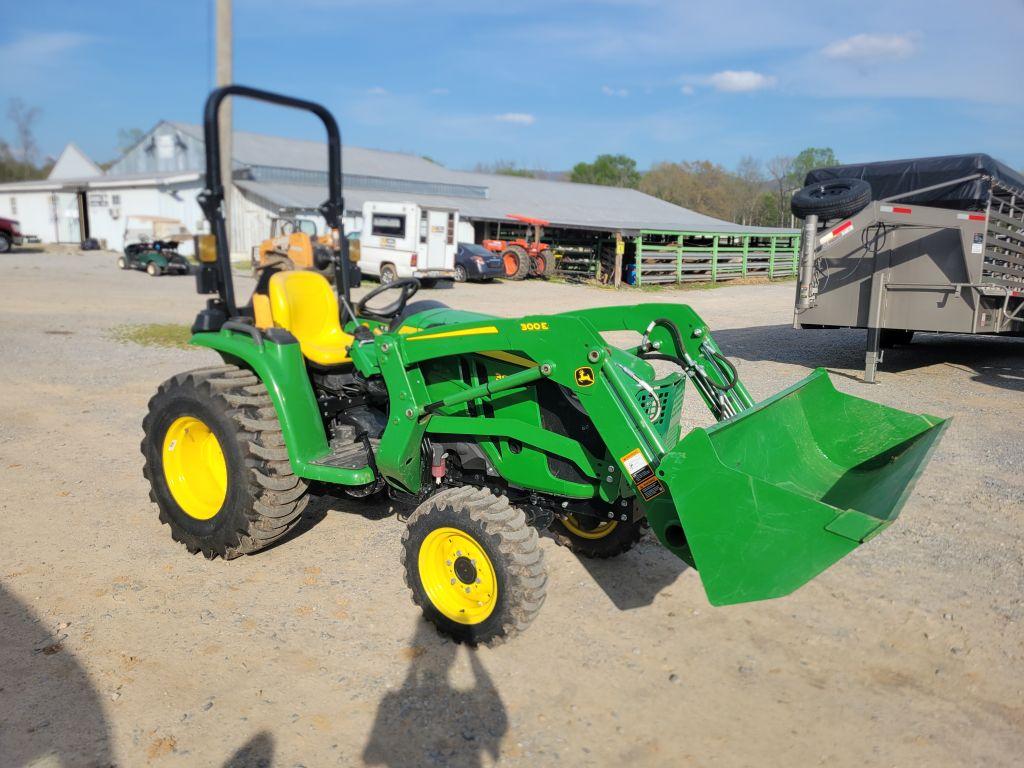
{"points": [[211, 199]]}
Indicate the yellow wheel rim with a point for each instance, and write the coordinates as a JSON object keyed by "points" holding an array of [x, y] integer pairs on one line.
{"points": [[602, 529], [194, 467], [457, 576]]}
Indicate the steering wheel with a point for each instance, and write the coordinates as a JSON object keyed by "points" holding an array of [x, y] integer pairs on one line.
{"points": [[408, 286]]}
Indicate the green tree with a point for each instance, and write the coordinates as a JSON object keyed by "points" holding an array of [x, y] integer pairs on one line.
{"points": [[19, 163], [701, 186], [766, 214], [505, 168], [807, 161], [608, 171]]}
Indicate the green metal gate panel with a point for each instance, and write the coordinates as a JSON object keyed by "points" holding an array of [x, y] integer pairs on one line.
{"points": [[669, 257]]}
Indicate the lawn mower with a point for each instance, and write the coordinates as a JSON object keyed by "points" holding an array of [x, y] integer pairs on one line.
{"points": [[490, 430]]}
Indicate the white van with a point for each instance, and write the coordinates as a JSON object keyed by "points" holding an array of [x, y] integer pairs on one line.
{"points": [[407, 240]]}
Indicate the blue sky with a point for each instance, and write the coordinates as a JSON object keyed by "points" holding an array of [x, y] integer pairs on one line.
{"points": [[543, 84]]}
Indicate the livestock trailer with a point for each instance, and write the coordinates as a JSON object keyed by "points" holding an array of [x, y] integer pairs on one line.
{"points": [[933, 244]]}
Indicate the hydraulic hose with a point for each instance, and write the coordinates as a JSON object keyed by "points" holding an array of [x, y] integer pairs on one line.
{"points": [[678, 339]]}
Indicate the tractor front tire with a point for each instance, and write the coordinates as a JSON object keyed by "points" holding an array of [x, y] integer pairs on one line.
{"points": [[599, 541], [516, 262], [474, 565], [153, 269], [217, 464]]}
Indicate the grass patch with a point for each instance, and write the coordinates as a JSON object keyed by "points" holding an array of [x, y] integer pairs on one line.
{"points": [[244, 265], [166, 335]]}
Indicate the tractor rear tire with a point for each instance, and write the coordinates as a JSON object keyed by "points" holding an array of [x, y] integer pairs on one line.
{"points": [[474, 565], [122, 263], [517, 263], [606, 539], [217, 464], [545, 264]]}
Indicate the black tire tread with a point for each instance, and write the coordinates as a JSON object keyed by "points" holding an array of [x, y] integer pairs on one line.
{"points": [[279, 497], [625, 536], [523, 265], [518, 541], [803, 204]]}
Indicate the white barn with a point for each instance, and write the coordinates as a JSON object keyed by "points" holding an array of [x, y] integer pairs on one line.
{"points": [[163, 174]]}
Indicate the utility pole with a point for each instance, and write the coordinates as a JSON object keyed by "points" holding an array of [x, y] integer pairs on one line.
{"points": [[225, 77]]}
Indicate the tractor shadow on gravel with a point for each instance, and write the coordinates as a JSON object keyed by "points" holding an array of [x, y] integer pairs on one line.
{"points": [[50, 711], [322, 503], [636, 578], [994, 361], [428, 721]]}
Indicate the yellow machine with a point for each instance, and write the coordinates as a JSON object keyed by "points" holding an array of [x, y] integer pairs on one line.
{"points": [[295, 244]]}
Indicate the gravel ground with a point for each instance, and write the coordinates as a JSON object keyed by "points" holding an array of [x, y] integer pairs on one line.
{"points": [[116, 647]]}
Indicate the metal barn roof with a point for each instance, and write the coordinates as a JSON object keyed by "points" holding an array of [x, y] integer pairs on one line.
{"points": [[584, 206]]}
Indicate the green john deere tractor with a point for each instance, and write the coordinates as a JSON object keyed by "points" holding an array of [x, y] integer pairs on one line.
{"points": [[493, 429]]}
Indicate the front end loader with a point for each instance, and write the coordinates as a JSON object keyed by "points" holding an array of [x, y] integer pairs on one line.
{"points": [[491, 430]]}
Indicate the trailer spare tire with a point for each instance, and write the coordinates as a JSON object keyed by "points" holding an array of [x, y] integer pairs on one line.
{"points": [[835, 199]]}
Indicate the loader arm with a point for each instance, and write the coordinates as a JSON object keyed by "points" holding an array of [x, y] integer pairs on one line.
{"points": [[760, 503]]}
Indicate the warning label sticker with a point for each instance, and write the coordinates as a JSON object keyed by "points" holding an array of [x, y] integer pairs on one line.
{"points": [[642, 474], [637, 466], [651, 488]]}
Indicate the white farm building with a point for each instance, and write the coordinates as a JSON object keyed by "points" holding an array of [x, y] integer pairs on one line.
{"points": [[162, 175]]}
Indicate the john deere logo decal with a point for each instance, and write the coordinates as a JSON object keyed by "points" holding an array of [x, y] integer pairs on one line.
{"points": [[584, 376]]}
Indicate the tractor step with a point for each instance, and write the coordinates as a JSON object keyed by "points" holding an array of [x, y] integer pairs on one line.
{"points": [[347, 455]]}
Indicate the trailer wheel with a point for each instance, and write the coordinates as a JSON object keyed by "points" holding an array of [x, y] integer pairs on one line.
{"points": [[836, 199], [217, 464], [600, 539], [474, 565], [516, 262]]}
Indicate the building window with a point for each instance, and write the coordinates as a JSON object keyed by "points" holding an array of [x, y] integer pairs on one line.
{"points": [[115, 199], [423, 226], [14, 206], [387, 225], [451, 229]]}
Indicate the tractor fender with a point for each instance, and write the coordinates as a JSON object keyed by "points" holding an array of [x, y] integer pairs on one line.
{"points": [[282, 370]]}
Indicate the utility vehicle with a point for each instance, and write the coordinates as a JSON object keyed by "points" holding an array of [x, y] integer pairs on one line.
{"points": [[489, 430]]}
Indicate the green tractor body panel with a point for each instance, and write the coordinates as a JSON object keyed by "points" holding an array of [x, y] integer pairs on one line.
{"points": [[759, 504], [282, 370]]}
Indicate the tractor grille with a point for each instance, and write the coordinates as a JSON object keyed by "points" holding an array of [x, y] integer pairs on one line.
{"points": [[670, 394]]}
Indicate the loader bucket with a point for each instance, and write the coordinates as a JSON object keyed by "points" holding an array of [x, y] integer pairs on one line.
{"points": [[772, 497]]}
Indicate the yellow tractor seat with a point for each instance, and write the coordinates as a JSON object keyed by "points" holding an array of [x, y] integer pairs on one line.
{"points": [[304, 304]]}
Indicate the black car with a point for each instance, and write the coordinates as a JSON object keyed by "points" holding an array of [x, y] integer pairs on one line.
{"points": [[474, 262]]}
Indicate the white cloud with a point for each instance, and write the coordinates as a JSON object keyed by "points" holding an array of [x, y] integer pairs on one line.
{"points": [[688, 90], [377, 91], [607, 90], [521, 118], [439, 91], [866, 48], [743, 81], [43, 45]]}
